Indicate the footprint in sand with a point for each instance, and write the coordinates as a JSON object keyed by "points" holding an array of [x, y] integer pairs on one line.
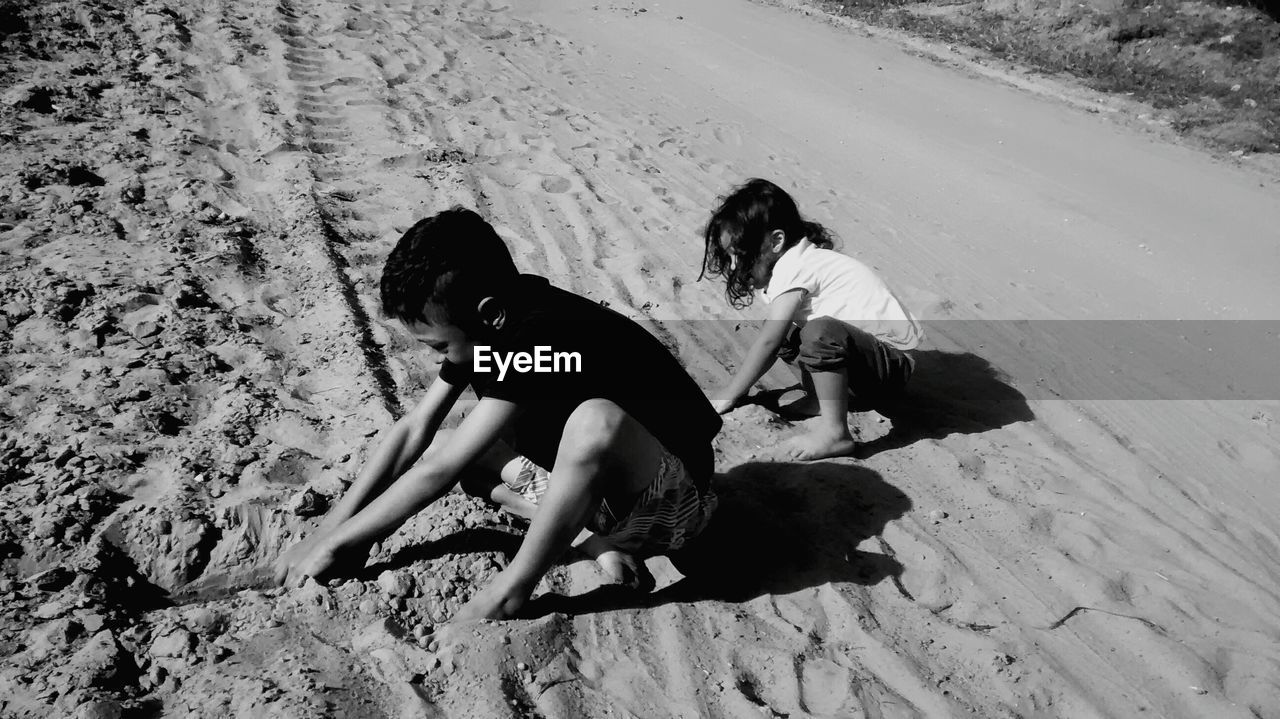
{"points": [[556, 185], [824, 686], [278, 301], [728, 136]]}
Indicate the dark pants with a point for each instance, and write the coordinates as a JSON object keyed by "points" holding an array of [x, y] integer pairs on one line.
{"points": [[877, 371]]}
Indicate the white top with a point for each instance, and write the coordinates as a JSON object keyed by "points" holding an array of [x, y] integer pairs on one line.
{"points": [[843, 288]]}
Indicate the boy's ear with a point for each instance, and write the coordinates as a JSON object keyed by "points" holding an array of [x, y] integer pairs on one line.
{"points": [[492, 313]]}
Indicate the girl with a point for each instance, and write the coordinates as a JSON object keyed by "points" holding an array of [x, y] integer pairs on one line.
{"points": [[829, 313]]}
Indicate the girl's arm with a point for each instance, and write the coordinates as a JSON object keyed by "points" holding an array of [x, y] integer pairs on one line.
{"points": [[763, 352]]}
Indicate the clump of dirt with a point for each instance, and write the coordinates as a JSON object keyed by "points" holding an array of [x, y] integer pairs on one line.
{"points": [[1209, 67]]}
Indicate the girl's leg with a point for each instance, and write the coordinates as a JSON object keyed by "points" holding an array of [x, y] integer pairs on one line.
{"points": [[830, 436], [824, 359], [802, 407]]}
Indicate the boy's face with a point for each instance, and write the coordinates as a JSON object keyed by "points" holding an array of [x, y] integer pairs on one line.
{"points": [[449, 342]]}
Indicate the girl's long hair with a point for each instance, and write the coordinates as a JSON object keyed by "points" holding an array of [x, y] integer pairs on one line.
{"points": [[745, 218]]}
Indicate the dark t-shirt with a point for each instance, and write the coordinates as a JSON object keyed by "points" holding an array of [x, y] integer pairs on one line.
{"points": [[620, 362]]}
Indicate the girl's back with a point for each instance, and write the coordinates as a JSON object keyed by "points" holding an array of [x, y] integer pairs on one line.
{"points": [[841, 287]]}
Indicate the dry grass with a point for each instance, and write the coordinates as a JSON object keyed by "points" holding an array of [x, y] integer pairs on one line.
{"points": [[1212, 67]]}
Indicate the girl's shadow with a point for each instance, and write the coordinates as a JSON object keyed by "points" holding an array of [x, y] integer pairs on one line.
{"points": [[949, 393]]}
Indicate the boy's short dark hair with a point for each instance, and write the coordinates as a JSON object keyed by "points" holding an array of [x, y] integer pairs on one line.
{"points": [[443, 266]]}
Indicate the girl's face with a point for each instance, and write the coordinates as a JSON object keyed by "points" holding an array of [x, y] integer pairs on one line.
{"points": [[761, 269]]}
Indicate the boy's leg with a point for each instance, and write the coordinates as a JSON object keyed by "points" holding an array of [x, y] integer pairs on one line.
{"points": [[503, 478], [604, 454], [493, 476]]}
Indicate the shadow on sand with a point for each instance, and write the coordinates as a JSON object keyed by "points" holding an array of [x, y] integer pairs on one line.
{"points": [[780, 528], [949, 393]]}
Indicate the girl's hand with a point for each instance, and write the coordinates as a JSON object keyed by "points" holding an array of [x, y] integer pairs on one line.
{"points": [[724, 406]]}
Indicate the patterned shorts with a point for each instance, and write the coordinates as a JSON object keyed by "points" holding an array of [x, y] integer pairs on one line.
{"points": [[669, 512]]}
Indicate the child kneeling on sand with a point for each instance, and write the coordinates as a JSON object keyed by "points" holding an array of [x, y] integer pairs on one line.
{"points": [[828, 312], [586, 424]]}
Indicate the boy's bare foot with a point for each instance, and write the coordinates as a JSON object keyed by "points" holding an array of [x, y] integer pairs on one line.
{"points": [[618, 566], [819, 445]]}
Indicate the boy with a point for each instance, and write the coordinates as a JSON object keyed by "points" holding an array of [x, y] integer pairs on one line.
{"points": [[625, 430]]}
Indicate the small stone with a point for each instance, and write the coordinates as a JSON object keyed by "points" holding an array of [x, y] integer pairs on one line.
{"points": [[55, 607], [395, 584], [92, 622], [204, 621], [308, 503], [145, 329], [99, 709], [53, 636], [97, 663], [368, 606], [52, 579], [178, 643], [937, 515]]}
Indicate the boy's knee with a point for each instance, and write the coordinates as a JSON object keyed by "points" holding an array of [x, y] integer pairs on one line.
{"points": [[593, 428]]}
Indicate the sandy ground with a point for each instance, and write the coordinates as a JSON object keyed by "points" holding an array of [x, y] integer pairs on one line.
{"points": [[199, 198]]}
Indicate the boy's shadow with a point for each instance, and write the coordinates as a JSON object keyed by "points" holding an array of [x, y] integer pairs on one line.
{"points": [[949, 393], [779, 528]]}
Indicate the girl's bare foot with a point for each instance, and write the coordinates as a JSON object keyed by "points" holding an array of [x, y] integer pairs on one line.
{"points": [[819, 445]]}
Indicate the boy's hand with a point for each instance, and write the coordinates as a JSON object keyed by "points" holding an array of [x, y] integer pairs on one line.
{"points": [[287, 563], [318, 562], [321, 559]]}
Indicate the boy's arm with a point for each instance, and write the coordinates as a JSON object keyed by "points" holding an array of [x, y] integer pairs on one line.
{"points": [[763, 352], [427, 481], [404, 443], [399, 449]]}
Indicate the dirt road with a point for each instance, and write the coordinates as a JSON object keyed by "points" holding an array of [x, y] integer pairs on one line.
{"points": [[1060, 540]]}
